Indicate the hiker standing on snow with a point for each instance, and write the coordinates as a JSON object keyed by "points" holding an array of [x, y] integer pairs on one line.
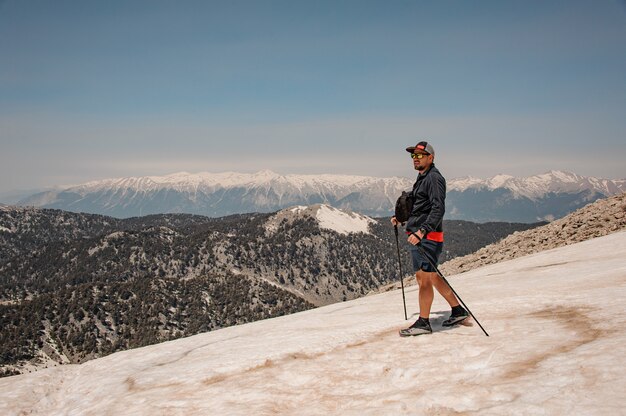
{"points": [[425, 221]]}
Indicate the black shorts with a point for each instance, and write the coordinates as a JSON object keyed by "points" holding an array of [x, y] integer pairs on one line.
{"points": [[432, 249]]}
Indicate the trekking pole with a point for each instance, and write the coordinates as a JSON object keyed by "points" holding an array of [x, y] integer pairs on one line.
{"points": [[395, 227], [445, 280]]}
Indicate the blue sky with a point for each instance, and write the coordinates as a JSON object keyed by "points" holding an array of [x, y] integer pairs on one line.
{"points": [[98, 89]]}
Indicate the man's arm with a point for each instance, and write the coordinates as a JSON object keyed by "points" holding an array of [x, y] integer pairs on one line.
{"points": [[437, 197]]}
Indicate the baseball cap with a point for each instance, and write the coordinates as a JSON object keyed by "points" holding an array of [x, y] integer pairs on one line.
{"points": [[423, 146]]}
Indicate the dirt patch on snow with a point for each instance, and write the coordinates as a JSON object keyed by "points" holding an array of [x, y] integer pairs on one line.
{"points": [[573, 319]]}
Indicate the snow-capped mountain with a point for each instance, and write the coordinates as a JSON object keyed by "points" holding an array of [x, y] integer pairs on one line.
{"points": [[547, 196], [219, 194], [501, 198], [537, 186], [16, 195]]}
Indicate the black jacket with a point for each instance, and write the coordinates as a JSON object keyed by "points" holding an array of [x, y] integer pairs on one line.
{"points": [[429, 193]]}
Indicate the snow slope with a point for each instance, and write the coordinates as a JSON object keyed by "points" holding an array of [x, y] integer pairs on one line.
{"points": [[556, 347]]}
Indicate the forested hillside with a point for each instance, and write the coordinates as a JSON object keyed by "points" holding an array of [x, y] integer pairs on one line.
{"points": [[78, 286]]}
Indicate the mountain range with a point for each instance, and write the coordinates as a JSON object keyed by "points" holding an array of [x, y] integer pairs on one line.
{"points": [[544, 197], [501, 198]]}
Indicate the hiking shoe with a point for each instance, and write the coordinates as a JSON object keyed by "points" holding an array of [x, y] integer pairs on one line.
{"points": [[456, 318], [420, 327]]}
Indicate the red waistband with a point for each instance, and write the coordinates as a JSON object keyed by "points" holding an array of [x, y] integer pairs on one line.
{"points": [[434, 236]]}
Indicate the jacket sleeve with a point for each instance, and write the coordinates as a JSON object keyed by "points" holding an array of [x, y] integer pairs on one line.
{"points": [[437, 196]]}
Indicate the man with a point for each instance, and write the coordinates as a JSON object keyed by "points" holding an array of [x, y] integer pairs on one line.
{"points": [[424, 227]]}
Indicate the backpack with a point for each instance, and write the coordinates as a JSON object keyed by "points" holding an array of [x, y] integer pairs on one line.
{"points": [[404, 206]]}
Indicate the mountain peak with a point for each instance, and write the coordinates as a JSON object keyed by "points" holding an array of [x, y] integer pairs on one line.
{"points": [[266, 173], [499, 180], [327, 217], [561, 175]]}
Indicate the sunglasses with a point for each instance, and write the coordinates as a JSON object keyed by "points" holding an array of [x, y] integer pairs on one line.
{"points": [[418, 155]]}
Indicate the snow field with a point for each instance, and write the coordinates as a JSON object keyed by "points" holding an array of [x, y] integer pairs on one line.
{"points": [[556, 347]]}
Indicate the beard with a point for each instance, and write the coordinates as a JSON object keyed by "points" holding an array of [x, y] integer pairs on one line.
{"points": [[422, 166]]}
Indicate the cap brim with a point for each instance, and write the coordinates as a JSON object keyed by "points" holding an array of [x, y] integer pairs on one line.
{"points": [[412, 150]]}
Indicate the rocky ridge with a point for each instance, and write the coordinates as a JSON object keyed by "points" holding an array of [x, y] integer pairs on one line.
{"points": [[602, 217]]}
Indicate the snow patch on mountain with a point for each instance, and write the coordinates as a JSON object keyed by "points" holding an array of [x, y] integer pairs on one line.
{"points": [[329, 218], [342, 222]]}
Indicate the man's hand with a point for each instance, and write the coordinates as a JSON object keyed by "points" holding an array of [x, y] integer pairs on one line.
{"points": [[394, 221], [415, 240]]}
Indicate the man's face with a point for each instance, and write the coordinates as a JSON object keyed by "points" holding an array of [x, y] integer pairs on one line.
{"points": [[421, 160]]}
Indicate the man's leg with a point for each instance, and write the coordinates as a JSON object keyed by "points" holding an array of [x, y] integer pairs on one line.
{"points": [[459, 314], [444, 289], [426, 293]]}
